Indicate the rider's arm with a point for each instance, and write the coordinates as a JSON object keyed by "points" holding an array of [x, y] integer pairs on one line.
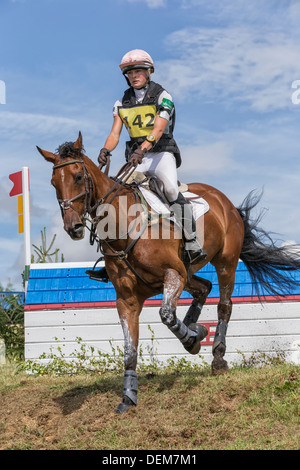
{"points": [[164, 115], [158, 130], [114, 136]]}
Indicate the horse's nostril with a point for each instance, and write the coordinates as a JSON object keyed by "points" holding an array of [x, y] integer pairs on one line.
{"points": [[78, 227]]}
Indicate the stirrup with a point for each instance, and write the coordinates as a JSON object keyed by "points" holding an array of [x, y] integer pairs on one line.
{"points": [[196, 256], [194, 249], [99, 275]]}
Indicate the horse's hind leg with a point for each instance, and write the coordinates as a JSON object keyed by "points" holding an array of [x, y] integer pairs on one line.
{"points": [[189, 337], [226, 277]]}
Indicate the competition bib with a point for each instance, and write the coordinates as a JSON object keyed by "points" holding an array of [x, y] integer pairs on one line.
{"points": [[139, 120]]}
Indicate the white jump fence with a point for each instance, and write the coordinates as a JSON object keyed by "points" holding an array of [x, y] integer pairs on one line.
{"points": [[271, 327]]}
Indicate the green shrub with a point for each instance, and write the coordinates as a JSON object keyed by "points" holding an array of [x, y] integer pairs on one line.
{"points": [[12, 326]]}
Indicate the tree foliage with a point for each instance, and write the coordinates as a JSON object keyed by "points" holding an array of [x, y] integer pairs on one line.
{"points": [[12, 325]]}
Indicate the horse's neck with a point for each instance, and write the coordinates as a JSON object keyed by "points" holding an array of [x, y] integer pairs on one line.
{"points": [[116, 218], [107, 189], [103, 184]]}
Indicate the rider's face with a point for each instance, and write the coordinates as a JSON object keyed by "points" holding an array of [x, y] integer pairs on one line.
{"points": [[138, 78]]}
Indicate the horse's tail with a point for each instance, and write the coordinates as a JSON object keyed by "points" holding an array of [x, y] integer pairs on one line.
{"points": [[270, 267]]}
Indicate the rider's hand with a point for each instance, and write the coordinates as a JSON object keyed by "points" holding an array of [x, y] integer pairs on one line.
{"points": [[137, 156], [102, 158]]}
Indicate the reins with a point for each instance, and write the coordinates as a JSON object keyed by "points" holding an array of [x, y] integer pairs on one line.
{"points": [[123, 175], [120, 180]]}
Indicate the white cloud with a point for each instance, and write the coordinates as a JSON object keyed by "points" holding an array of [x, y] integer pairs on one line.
{"points": [[240, 12], [211, 158], [79, 250], [246, 60], [19, 125], [9, 245], [151, 3]]}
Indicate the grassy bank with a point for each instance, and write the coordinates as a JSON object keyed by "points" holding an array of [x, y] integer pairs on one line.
{"points": [[247, 408]]}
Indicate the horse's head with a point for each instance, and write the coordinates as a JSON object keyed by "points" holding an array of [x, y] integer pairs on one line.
{"points": [[71, 181]]}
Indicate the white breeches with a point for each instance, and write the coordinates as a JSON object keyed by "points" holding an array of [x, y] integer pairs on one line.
{"points": [[163, 166]]}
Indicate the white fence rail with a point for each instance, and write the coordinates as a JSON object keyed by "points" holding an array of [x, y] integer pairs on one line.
{"points": [[269, 328]]}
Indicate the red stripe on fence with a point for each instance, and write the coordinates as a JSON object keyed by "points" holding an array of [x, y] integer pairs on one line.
{"points": [[157, 302]]}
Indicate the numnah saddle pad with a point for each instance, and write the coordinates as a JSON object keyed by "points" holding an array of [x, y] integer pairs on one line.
{"points": [[199, 205]]}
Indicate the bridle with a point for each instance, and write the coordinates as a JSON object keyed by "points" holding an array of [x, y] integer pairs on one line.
{"points": [[88, 193], [89, 190]]}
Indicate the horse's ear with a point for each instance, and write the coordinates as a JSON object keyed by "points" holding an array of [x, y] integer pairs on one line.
{"points": [[50, 157], [78, 143]]}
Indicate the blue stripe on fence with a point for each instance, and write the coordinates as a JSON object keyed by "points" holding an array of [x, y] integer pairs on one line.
{"points": [[72, 285]]}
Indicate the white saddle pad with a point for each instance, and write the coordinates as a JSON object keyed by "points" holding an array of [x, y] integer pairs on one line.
{"points": [[199, 205]]}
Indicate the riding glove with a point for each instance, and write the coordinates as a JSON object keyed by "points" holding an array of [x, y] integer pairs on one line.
{"points": [[137, 156], [102, 158]]}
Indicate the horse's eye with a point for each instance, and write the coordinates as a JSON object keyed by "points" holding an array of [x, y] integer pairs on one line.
{"points": [[79, 178]]}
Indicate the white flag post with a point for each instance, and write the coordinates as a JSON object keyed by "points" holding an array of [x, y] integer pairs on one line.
{"points": [[26, 219], [21, 189]]}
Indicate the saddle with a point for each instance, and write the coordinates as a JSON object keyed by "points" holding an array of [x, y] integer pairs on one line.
{"points": [[153, 184], [152, 191]]}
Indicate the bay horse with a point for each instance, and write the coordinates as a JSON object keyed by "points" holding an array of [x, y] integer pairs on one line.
{"points": [[138, 268]]}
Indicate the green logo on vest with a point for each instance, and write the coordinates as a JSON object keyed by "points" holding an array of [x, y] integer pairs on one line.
{"points": [[167, 103]]}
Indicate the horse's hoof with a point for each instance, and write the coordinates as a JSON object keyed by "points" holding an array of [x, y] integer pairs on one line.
{"points": [[202, 332], [124, 406], [219, 367], [194, 348]]}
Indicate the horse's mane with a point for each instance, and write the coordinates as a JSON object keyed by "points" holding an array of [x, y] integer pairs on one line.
{"points": [[68, 150]]}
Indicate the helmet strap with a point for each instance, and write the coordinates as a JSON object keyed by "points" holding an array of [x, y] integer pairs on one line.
{"points": [[127, 80]]}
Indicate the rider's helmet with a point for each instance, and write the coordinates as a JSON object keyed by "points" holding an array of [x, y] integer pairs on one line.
{"points": [[136, 59]]}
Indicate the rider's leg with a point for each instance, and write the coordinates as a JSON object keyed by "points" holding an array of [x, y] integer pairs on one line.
{"points": [[183, 211], [163, 166]]}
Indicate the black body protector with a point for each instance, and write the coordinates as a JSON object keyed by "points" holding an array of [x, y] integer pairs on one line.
{"points": [[139, 120]]}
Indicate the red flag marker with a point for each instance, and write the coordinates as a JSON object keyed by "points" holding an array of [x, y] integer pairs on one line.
{"points": [[16, 178], [21, 189]]}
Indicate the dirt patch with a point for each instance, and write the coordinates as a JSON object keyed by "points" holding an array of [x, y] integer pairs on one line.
{"points": [[195, 412]]}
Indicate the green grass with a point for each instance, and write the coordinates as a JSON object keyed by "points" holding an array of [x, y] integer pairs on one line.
{"points": [[249, 408]]}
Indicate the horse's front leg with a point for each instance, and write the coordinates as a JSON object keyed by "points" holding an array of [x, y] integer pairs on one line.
{"points": [[199, 288], [129, 311], [191, 335]]}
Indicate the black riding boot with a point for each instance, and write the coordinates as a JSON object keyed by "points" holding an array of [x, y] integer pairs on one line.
{"points": [[184, 213], [99, 275]]}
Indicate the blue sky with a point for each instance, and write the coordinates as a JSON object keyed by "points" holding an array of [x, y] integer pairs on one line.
{"points": [[229, 66]]}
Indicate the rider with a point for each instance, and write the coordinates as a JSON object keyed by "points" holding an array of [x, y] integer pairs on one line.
{"points": [[148, 112]]}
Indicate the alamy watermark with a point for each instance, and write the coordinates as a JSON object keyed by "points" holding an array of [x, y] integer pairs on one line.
{"points": [[135, 221], [2, 92], [296, 95]]}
